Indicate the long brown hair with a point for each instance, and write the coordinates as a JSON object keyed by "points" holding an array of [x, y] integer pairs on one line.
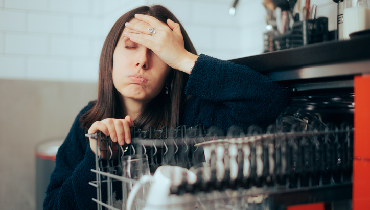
{"points": [[164, 109]]}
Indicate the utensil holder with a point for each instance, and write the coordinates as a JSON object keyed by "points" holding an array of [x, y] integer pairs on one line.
{"points": [[302, 33]]}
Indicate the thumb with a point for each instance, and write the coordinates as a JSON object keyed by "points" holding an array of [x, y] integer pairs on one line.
{"points": [[128, 119], [174, 26]]}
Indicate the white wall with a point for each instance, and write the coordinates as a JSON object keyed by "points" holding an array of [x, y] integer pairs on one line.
{"points": [[53, 39], [58, 40]]}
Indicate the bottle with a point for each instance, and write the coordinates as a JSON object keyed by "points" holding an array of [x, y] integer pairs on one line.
{"points": [[356, 17]]}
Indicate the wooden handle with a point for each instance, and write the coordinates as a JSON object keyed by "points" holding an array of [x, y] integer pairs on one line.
{"points": [[308, 6]]}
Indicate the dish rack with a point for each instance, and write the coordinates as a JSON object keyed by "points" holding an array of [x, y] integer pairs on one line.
{"points": [[253, 169]]}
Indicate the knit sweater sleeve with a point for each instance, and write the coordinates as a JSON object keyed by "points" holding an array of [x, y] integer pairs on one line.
{"points": [[68, 187], [226, 94]]}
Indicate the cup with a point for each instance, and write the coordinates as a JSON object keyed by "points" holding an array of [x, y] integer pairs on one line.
{"points": [[159, 196], [356, 17], [134, 167]]}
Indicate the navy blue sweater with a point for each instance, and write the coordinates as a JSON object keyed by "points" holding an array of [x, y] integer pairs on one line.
{"points": [[224, 94]]}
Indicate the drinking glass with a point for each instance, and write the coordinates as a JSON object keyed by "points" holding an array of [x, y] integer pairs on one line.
{"points": [[134, 167], [356, 16]]}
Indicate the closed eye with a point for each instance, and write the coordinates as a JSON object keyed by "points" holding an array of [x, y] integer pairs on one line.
{"points": [[130, 47], [130, 44]]}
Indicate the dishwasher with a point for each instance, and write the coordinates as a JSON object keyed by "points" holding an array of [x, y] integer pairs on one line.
{"points": [[314, 157]]}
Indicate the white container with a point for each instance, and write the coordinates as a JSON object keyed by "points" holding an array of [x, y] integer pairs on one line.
{"points": [[356, 17]]}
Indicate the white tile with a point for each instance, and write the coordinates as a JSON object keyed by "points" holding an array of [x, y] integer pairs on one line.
{"points": [[69, 46], [250, 52], [80, 6], [47, 69], [213, 14], [26, 44], [247, 37], [2, 42], [227, 38], [1, 3], [96, 7], [87, 26], [181, 9], [252, 13], [60, 6], [202, 37], [222, 54], [252, 40], [12, 67], [85, 70], [114, 5], [12, 21], [109, 20], [96, 47], [258, 36], [47, 23], [27, 4]]}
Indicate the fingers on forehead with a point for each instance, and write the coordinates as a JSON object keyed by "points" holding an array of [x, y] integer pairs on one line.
{"points": [[149, 19]]}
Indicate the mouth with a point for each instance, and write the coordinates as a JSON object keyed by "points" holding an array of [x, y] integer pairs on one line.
{"points": [[137, 79]]}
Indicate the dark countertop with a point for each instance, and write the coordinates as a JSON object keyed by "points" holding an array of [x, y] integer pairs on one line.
{"points": [[332, 52]]}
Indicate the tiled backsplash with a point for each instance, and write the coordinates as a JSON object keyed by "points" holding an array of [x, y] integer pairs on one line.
{"points": [[61, 40]]}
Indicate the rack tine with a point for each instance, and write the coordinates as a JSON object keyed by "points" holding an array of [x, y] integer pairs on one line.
{"points": [[187, 146], [144, 148], [177, 148], [155, 148], [111, 151], [133, 149], [166, 148]]}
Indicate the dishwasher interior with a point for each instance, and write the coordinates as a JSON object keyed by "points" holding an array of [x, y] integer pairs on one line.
{"points": [[305, 158]]}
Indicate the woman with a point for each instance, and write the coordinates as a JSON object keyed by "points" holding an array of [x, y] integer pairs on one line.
{"points": [[144, 81]]}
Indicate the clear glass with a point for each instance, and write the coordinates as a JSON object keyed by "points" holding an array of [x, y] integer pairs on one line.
{"points": [[356, 3], [356, 16], [134, 167]]}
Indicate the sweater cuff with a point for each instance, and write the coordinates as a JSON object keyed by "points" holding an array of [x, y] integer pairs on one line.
{"points": [[204, 74]]}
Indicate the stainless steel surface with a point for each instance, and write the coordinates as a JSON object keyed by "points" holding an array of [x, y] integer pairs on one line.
{"points": [[323, 85], [323, 71]]}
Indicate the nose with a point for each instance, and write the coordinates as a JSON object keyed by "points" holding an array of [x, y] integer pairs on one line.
{"points": [[143, 58]]}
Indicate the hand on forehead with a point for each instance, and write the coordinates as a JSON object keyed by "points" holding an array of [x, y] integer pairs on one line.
{"points": [[137, 26]]}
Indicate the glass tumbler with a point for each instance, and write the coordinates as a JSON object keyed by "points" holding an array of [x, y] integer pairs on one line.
{"points": [[133, 168], [356, 17]]}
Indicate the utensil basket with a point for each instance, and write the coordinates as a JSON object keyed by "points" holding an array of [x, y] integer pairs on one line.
{"points": [[302, 33]]}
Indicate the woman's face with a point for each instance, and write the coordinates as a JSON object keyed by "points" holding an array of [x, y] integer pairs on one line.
{"points": [[138, 73]]}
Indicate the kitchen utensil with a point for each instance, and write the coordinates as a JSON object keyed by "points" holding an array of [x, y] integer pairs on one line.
{"points": [[308, 6], [285, 4], [159, 196], [304, 13], [278, 16], [313, 11], [284, 21], [297, 11], [269, 4], [340, 8], [232, 9]]}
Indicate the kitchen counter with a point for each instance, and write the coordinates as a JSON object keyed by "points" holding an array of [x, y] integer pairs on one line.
{"points": [[327, 59]]}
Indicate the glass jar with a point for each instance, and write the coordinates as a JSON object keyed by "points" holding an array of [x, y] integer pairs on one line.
{"points": [[356, 16]]}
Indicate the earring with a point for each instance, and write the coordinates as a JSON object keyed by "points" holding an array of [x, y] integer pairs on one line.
{"points": [[166, 90]]}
